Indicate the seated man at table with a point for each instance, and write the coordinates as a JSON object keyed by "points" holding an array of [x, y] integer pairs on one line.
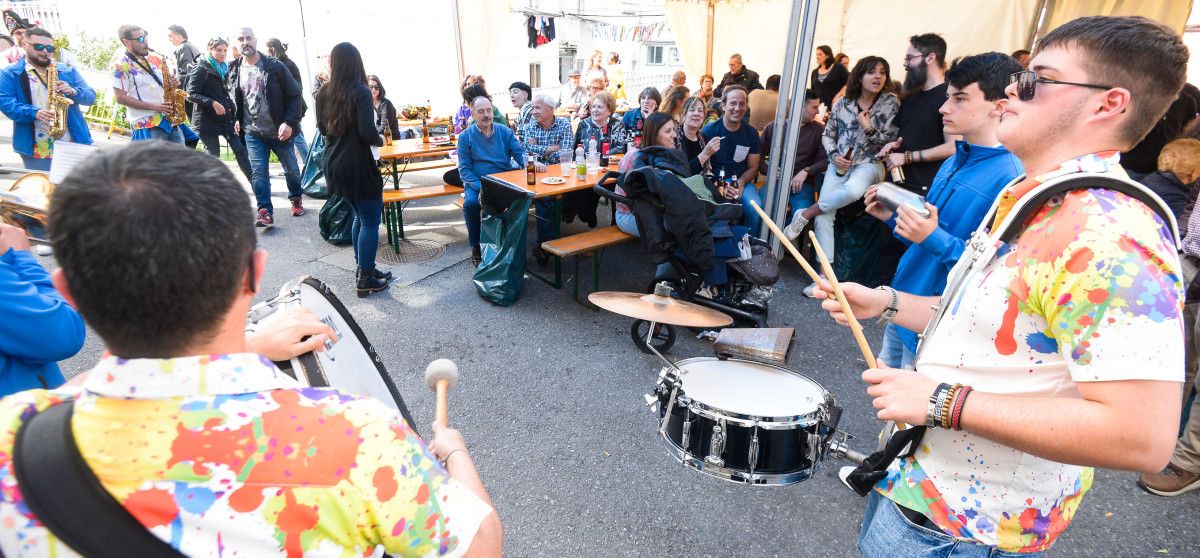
{"points": [[544, 138], [483, 148]]}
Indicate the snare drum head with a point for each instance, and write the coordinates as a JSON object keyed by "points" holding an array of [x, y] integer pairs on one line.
{"points": [[749, 388]]}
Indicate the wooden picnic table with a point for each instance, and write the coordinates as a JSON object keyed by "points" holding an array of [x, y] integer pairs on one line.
{"points": [[407, 149]]}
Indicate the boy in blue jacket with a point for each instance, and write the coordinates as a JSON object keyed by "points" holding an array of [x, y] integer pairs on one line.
{"points": [[38, 327], [23, 96], [961, 194]]}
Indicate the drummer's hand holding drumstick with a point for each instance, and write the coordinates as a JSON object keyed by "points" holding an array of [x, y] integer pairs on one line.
{"points": [[290, 334]]}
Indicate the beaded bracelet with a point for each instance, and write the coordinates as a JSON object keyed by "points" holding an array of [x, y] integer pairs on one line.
{"points": [[948, 405], [907, 157], [959, 402]]}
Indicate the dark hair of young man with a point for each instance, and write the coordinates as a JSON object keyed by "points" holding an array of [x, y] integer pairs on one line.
{"points": [[651, 92], [379, 84], [38, 31], [523, 87], [1019, 53], [155, 242], [731, 88], [655, 123], [854, 86], [178, 30], [336, 100], [930, 43], [829, 59], [810, 95], [1105, 43], [473, 92], [126, 31], [990, 71], [773, 82]]}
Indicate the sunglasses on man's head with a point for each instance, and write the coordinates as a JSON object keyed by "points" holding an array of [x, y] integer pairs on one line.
{"points": [[46, 48], [1028, 80]]}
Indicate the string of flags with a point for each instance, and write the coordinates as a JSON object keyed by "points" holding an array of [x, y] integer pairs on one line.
{"points": [[646, 33]]}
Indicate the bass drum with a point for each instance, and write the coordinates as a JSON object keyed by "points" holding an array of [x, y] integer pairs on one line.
{"points": [[744, 421], [351, 364]]}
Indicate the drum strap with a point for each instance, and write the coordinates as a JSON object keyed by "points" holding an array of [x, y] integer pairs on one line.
{"points": [[63, 493], [874, 467]]}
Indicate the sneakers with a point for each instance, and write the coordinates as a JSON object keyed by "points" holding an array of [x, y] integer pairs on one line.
{"points": [[297, 207], [810, 290], [265, 219], [369, 282], [43, 250], [1171, 481], [793, 230], [844, 475]]}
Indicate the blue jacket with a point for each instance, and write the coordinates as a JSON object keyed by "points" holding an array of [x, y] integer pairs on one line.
{"points": [[37, 328], [14, 103], [479, 156], [963, 192]]}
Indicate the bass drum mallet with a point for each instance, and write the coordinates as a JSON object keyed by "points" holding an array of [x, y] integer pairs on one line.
{"points": [[440, 376]]}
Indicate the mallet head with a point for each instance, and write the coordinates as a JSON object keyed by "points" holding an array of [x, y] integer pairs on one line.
{"points": [[441, 369]]}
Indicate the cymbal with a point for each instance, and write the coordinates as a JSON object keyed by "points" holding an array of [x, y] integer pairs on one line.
{"points": [[661, 309]]}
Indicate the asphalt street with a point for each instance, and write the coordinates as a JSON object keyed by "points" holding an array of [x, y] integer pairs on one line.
{"points": [[550, 400]]}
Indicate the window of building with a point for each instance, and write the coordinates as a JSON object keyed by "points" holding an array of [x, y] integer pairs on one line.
{"points": [[654, 54]]}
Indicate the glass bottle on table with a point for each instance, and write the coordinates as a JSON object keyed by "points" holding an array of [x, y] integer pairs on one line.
{"points": [[531, 170]]}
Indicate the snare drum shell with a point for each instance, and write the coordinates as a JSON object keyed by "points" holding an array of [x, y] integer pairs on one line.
{"points": [[779, 451]]}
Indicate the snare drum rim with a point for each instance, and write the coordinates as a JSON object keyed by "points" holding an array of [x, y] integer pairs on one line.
{"points": [[667, 377]]}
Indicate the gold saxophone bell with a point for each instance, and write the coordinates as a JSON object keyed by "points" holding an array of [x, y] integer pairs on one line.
{"points": [[172, 95], [56, 103], [26, 205]]}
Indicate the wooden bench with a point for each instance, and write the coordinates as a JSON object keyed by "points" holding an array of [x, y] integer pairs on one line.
{"points": [[590, 243], [395, 200]]}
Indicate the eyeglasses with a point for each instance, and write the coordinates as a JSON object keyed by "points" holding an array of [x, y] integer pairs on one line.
{"points": [[1028, 80], [912, 56], [375, 87], [141, 39], [47, 48]]}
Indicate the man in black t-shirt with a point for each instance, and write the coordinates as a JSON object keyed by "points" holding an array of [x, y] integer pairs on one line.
{"points": [[921, 146]]}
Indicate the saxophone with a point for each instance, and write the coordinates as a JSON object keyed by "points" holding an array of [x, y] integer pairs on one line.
{"points": [[56, 103], [172, 95]]}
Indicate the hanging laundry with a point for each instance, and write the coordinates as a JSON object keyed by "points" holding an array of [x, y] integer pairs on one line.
{"points": [[531, 31], [548, 29]]}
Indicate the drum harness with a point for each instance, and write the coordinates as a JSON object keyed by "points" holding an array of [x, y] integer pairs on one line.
{"points": [[981, 249]]}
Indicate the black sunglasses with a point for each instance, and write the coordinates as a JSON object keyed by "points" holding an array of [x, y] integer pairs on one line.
{"points": [[47, 48], [1028, 80]]}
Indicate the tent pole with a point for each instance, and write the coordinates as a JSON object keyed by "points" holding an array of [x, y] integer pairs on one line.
{"points": [[458, 48], [795, 72], [304, 46], [708, 52], [1040, 16]]}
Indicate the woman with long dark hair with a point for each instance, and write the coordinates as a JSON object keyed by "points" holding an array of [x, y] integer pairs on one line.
{"points": [[385, 111], [829, 77], [346, 118], [213, 118]]}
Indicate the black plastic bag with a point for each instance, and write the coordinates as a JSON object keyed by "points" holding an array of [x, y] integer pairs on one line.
{"points": [[501, 275], [336, 219]]}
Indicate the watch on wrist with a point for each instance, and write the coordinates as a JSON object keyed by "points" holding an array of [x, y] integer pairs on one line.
{"points": [[892, 307]]}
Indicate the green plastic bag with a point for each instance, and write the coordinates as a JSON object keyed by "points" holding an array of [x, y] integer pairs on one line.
{"points": [[312, 178], [336, 219], [501, 275]]}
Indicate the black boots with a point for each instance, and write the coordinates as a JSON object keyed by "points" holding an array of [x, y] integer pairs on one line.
{"points": [[372, 281], [476, 257]]}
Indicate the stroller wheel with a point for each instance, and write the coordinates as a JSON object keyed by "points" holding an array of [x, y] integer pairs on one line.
{"points": [[663, 339]]}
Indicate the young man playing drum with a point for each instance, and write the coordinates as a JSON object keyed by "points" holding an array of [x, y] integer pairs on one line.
{"points": [[210, 448], [1058, 350]]}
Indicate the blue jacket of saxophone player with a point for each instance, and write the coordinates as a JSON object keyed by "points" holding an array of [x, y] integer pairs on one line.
{"points": [[15, 104], [38, 327]]}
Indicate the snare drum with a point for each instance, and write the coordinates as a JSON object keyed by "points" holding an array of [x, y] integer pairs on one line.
{"points": [[351, 364], [744, 421]]}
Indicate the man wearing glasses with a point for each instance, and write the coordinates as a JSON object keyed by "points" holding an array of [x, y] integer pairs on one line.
{"points": [[1057, 346], [24, 95], [138, 84]]}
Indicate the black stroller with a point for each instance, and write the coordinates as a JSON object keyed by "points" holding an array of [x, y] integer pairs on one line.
{"points": [[685, 277]]}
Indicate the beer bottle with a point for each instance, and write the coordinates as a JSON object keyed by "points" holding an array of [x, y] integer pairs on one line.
{"points": [[531, 170]]}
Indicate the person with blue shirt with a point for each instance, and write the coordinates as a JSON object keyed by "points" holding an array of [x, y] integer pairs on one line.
{"points": [[962, 192], [39, 327], [483, 148], [740, 151], [23, 98]]}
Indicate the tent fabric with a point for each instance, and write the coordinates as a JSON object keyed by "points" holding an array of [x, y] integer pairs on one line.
{"points": [[1173, 13]]}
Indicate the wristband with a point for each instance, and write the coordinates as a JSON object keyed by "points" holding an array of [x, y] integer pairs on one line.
{"points": [[959, 402], [449, 455], [907, 157], [892, 307], [935, 400], [947, 406]]}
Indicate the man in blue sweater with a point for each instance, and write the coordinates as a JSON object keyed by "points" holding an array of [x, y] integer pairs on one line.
{"points": [[23, 96], [962, 192], [38, 327], [484, 148]]}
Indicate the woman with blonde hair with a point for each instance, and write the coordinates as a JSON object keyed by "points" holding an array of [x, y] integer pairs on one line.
{"points": [[1175, 180], [611, 138], [616, 77], [596, 69], [673, 101]]}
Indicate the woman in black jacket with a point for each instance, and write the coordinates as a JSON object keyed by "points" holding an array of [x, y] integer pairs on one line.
{"points": [[829, 77], [346, 118], [213, 117], [385, 111]]}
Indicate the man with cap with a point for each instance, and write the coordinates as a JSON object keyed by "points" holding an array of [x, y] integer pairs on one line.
{"points": [[521, 96], [572, 94], [16, 26]]}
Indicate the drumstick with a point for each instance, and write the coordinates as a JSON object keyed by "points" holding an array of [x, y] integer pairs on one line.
{"points": [[440, 376], [784, 239], [855, 327]]}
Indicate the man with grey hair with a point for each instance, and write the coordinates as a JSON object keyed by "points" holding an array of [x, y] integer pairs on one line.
{"points": [[738, 74], [678, 79], [545, 136], [267, 109], [483, 148]]}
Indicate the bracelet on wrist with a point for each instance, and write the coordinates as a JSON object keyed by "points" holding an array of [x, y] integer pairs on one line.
{"points": [[948, 406], [907, 157], [893, 305], [451, 454], [932, 415], [960, 401]]}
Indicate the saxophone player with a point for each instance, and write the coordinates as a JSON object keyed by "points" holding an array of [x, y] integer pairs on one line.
{"points": [[139, 84], [27, 91]]}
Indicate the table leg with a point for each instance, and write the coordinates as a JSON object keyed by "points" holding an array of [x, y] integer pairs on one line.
{"points": [[395, 175], [400, 221]]}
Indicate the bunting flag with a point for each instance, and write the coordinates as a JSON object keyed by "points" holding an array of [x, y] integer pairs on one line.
{"points": [[647, 33]]}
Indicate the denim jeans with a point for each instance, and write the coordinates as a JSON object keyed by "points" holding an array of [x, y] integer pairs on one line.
{"points": [[886, 533], [544, 212], [471, 210], [157, 133], [894, 353], [628, 223], [796, 201], [259, 150], [32, 163], [838, 192], [364, 232], [189, 135], [301, 147], [212, 144]]}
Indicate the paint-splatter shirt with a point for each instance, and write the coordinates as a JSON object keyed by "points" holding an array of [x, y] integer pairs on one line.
{"points": [[43, 143], [1090, 291], [142, 80], [225, 455]]}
